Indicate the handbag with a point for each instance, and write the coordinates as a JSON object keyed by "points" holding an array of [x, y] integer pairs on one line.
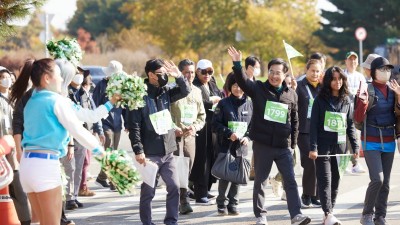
{"points": [[6, 172], [229, 168], [182, 166]]}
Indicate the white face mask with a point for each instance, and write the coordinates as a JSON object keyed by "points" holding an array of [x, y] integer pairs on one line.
{"points": [[256, 72], [383, 76], [78, 79], [6, 82]]}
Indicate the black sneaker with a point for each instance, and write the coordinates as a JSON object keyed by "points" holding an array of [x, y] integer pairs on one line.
{"points": [[185, 209], [315, 202], [71, 205], [210, 196], [66, 222], [79, 204], [306, 202], [233, 211], [222, 211], [102, 183], [112, 187]]}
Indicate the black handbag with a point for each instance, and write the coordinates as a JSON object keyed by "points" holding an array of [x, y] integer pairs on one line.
{"points": [[229, 168]]}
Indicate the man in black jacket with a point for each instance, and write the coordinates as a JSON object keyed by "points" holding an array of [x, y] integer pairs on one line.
{"points": [[153, 137], [274, 133]]}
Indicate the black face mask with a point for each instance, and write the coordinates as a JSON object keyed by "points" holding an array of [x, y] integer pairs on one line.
{"points": [[162, 79]]}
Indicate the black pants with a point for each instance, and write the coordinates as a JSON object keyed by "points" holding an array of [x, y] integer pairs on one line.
{"points": [[328, 176], [264, 156], [309, 180]]}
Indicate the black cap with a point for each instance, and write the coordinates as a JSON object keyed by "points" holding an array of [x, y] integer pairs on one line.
{"points": [[85, 72], [380, 62]]}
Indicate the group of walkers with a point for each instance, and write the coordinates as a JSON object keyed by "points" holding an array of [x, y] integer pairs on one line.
{"points": [[51, 112]]}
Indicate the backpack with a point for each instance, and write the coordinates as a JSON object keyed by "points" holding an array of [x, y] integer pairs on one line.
{"points": [[371, 100]]}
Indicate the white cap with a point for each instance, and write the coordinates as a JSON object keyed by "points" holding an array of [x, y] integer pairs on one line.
{"points": [[204, 64], [367, 63], [113, 67]]}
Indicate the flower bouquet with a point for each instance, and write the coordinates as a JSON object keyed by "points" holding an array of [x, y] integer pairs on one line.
{"points": [[120, 171], [68, 49], [131, 88]]}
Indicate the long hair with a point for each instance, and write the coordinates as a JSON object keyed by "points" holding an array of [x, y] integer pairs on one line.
{"points": [[326, 90], [33, 70]]}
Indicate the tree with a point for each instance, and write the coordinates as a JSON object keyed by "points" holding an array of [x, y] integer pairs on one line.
{"points": [[379, 18], [100, 17], [181, 25], [12, 10]]}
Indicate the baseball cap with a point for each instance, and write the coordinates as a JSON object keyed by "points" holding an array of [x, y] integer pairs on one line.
{"points": [[380, 62], [83, 71], [113, 67], [367, 63], [204, 64], [348, 54]]}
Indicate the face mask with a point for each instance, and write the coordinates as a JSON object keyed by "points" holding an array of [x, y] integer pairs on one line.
{"points": [[256, 72], [78, 79], [162, 79], [6, 82], [383, 76]]}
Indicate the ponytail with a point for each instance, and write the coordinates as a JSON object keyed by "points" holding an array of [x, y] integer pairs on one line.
{"points": [[21, 83]]}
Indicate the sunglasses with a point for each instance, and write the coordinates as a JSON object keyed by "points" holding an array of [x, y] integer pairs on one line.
{"points": [[205, 72]]}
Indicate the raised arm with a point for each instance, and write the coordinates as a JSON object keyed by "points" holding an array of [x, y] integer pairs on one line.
{"points": [[246, 84], [183, 88]]}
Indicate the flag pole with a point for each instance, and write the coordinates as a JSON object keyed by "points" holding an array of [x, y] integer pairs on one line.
{"points": [[290, 64]]}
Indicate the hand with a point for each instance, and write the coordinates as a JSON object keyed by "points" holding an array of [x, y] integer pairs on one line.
{"points": [[294, 84], [178, 132], [141, 159], [355, 155], [115, 98], [233, 137], [70, 153], [313, 155], [235, 55], [245, 141], [394, 86], [10, 140], [126, 130], [102, 139], [215, 99], [172, 69], [189, 131], [18, 150]]}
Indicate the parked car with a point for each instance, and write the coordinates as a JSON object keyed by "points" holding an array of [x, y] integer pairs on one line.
{"points": [[96, 72]]}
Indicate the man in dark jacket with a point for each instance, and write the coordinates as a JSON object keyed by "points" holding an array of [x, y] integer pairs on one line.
{"points": [[112, 125], [153, 138], [274, 133]]}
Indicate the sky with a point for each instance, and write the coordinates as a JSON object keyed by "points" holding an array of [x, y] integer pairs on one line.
{"points": [[63, 10]]}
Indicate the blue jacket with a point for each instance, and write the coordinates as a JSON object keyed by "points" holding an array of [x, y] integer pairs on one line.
{"points": [[114, 120]]}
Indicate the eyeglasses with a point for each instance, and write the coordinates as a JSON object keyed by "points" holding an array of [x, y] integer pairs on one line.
{"points": [[278, 73], [385, 69], [205, 72]]}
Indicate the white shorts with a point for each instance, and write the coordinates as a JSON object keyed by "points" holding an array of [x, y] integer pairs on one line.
{"points": [[39, 174]]}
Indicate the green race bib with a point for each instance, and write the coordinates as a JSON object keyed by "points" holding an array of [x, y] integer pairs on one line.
{"points": [[188, 114], [161, 121], [276, 112], [334, 121], [310, 104], [239, 128]]}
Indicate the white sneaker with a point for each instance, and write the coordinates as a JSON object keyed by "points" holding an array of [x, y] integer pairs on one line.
{"points": [[357, 169], [262, 220], [276, 186], [330, 219], [283, 196]]}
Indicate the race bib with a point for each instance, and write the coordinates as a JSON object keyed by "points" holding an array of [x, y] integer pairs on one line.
{"points": [[188, 114], [342, 136], [310, 104], [161, 121], [276, 112], [239, 128], [334, 121]]}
